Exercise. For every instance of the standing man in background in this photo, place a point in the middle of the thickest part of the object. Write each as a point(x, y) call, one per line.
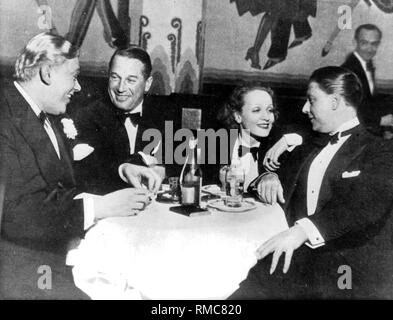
point(373, 111)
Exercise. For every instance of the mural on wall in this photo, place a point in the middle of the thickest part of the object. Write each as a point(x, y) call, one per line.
point(143, 36)
point(176, 74)
point(384, 5)
point(171, 31)
point(278, 18)
point(245, 42)
point(115, 36)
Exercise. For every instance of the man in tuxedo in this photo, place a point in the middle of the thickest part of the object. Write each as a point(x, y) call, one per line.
point(44, 214)
point(373, 111)
point(336, 204)
point(113, 126)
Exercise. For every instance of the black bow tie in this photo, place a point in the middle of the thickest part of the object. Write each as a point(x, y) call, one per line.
point(134, 117)
point(324, 139)
point(42, 116)
point(244, 150)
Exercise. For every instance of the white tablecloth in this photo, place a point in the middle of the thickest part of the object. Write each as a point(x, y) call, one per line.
point(159, 254)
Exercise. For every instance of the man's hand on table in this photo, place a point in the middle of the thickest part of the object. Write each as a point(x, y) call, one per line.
point(137, 176)
point(124, 202)
point(285, 242)
point(270, 190)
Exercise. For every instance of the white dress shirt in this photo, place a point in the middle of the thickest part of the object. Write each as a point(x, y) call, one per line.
point(369, 75)
point(316, 173)
point(132, 129)
point(36, 109)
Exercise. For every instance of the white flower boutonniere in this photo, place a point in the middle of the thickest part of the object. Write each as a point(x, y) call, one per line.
point(69, 128)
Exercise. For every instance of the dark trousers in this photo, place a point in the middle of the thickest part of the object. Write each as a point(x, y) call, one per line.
point(312, 275)
point(35, 275)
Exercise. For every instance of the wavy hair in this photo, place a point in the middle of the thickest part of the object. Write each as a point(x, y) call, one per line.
point(235, 103)
point(341, 81)
point(135, 52)
point(43, 49)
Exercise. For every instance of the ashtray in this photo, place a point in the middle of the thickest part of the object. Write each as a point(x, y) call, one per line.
point(219, 204)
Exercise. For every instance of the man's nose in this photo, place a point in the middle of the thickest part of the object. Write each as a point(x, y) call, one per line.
point(77, 86)
point(121, 86)
point(306, 107)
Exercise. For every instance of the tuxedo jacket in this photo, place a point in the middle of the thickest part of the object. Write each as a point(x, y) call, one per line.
point(100, 126)
point(354, 207)
point(352, 63)
point(374, 106)
point(38, 209)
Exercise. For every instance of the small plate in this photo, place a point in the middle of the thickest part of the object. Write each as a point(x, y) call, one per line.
point(213, 189)
point(219, 204)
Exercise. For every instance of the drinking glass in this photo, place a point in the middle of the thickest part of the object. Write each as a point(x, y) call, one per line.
point(222, 176)
point(234, 183)
point(174, 187)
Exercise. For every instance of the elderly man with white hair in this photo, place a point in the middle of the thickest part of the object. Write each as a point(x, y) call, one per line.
point(42, 217)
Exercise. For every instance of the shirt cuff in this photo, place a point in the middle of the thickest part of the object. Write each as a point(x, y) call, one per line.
point(293, 140)
point(88, 209)
point(315, 238)
point(121, 173)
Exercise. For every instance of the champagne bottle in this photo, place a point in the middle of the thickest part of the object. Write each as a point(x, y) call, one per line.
point(191, 180)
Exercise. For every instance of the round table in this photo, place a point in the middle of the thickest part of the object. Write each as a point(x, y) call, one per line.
point(159, 254)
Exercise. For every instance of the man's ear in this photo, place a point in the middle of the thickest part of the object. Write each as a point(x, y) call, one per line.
point(45, 74)
point(354, 43)
point(149, 81)
point(336, 101)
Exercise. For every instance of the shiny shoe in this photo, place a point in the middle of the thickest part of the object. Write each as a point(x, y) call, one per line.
point(298, 41)
point(254, 57)
point(272, 62)
point(295, 43)
point(326, 49)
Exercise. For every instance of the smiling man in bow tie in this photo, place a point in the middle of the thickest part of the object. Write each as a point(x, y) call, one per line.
point(114, 125)
point(44, 213)
point(376, 109)
point(338, 205)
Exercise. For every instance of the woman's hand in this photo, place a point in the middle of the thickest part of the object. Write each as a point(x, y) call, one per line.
point(270, 190)
point(270, 162)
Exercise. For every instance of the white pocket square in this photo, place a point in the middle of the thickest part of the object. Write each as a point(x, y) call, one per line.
point(351, 174)
point(81, 151)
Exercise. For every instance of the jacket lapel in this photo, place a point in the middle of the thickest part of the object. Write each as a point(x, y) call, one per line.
point(304, 157)
point(362, 75)
point(65, 149)
point(349, 151)
point(36, 137)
